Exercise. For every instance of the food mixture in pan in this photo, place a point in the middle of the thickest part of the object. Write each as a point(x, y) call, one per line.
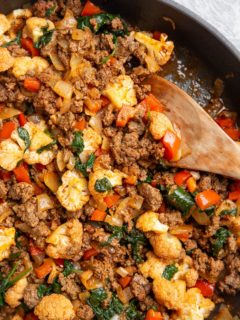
point(94, 223)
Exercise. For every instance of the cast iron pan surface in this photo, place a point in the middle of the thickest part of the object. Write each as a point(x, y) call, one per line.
point(201, 53)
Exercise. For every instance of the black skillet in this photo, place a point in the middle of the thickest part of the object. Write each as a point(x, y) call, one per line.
point(202, 53)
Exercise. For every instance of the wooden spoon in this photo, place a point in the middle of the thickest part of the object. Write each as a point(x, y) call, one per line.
point(211, 149)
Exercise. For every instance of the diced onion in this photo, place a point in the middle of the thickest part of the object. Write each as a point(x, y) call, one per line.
point(68, 22)
point(136, 202)
point(66, 104)
point(114, 220)
point(7, 113)
point(122, 272)
point(44, 202)
point(63, 89)
point(201, 217)
point(105, 143)
point(77, 34)
point(56, 61)
point(60, 161)
point(51, 180)
point(96, 123)
point(124, 295)
point(182, 229)
point(89, 281)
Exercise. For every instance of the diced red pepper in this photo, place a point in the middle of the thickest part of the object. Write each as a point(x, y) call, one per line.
point(233, 133)
point(171, 143)
point(105, 101)
point(27, 44)
point(22, 119)
point(32, 84)
point(153, 315)
point(151, 103)
point(206, 288)
point(90, 253)
point(156, 35)
point(90, 9)
point(22, 174)
point(44, 269)
point(225, 122)
point(132, 180)
point(98, 215)
point(5, 175)
point(80, 125)
point(235, 185)
point(191, 184)
point(34, 250)
point(124, 281)
point(40, 167)
point(59, 262)
point(234, 195)
point(181, 177)
point(31, 316)
point(124, 115)
point(111, 200)
point(207, 198)
point(7, 129)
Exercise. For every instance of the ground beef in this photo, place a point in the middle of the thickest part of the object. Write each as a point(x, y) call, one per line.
point(69, 285)
point(45, 101)
point(66, 121)
point(30, 296)
point(108, 116)
point(231, 281)
point(21, 191)
point(171, 218)
point(3, 189)
point(41, 6)
point(17, 51)
point(140, 287)
point(152, 197)
point(208, 267)
point(84, 312)
point(75, 6)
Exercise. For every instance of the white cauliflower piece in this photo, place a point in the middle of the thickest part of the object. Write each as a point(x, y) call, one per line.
point(159, 124)
point(92, 140)
point(148, 221)
point(65, 242)
point(23, 65)
point(10, 154)
point(6, 60)
point(4, 24)
point(15, 293)
point(35, 26)
point(16, 18)
point(120, 91)
point(195, 306)
point(158, 52)
point(54, 307)
point(153, 267)
point(7, 239)
point(44, 158)
point(171, 294)
point(166, 246)
point(73, 193)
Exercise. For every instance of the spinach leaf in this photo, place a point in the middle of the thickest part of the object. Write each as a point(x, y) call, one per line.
point(69, 268)
point(132, 312)
point(221, 238)
point(95, 301)
point(45, 290)
point(24, 135)
point(6, 282)
point(230, 212)
point(102, 24)
point(103, 185)
point(148, 179)
point(50, 11)
point(169, 271)
point(85, 167)
point(136, 239)
point(17, 40)
point(45, 38)
point(78, 143)
point(47, 147)
point(117, 233)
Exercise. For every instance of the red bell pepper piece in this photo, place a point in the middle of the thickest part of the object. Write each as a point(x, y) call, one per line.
point(90, 253)
point(27, 44)
point(22, 119)
point(7, 129)
point(232, 133)
point(34, 250)
point(225, 122)
point(59, 262)
point(206, 199)
point(234, 195)
point(98, 215)
point(90, 9)
point(181, 177)
point(171, 143)
point(124, 281)
point(207, 289)
point(153, 315)
point(111, 200)
point(32, 84)
point(22, 174)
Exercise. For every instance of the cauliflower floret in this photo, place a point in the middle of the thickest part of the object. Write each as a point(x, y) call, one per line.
point(158, 52)
point(55, 307)
point(35, 27)
point(6, 60)
point(10, 154)
point(16, 18)
point(65, 242)
point(166, 246)
point(195, 306)
point(73, 193)
point(92, 140)
point(7, 236)
point(169, 293)
point(148, 221)
point(23, 65)
point(120, 91)
point(153, 267)
point(159, 124)
point(4, 24)
point(44, 158)
point(15, 293)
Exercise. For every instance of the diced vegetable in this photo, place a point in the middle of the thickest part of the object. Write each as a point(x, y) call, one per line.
point(156, 35)
point(51, 180)
point(45, 38)
point(125, 281)
point(225, 122)
point(43, 270)
point(27, 44)
point(44, 202)
point(153, 315)
point(7, 129)
point(78, 143)
point(201, 217)
point(69, 268)
point(132, 180)
point(206, 288)
point(221, 238)
point(64, 89)
point(171, 143)
point(233, 133)
point(182, 232)
point(206, 199)
point(90, 9)
point(234, 195)
point(34, 250)
point(22, 174)
point(181, 200)
point(169, 271)
point(32, 84)
point(103, 185)
point(181, 177)
point(111, 200)
point(80, 125)
point(24, 135)
point(191, 184)
point(22, 119)
point(6, 113)
point(124, 115)
point(98, 215)
point(151, 103)
point(90, 253)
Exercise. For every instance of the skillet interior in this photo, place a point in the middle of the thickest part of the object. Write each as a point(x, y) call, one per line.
point(215, 56)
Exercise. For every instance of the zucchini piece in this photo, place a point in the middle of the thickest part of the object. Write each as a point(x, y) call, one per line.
point(181, 200)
